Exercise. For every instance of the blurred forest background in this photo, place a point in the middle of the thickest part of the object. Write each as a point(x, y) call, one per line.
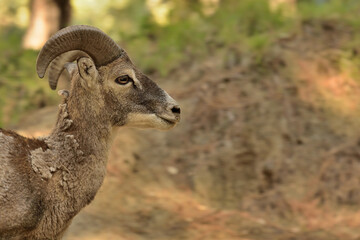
point(269, 144)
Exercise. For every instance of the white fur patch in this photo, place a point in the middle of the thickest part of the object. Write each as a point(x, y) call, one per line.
point(141, 120)
point(132, 74)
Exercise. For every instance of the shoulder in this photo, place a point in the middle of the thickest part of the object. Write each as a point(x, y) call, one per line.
point(8, 137)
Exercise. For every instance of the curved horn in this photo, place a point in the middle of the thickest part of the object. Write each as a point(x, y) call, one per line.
point(57, 66)
point(99, 46)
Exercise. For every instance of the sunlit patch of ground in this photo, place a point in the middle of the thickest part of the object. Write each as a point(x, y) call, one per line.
point(127, 208)
point(130, 213)
point(339, 91)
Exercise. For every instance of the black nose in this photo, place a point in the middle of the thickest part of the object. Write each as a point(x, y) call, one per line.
point(175, 110)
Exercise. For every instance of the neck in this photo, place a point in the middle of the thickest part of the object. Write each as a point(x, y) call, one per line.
point(85, 133)
point(86, 121)
point(80, 140)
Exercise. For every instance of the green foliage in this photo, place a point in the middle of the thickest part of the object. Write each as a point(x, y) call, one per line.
point(341, 10)
point(20, 88)
point(192, 35)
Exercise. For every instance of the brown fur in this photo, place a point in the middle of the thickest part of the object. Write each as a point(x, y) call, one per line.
point(27, 180)
point(45, 182)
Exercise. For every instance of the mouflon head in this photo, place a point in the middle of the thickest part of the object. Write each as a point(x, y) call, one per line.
point(99, 66)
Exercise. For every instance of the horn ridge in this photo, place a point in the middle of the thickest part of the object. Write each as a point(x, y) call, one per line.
point(57, 65)
point(91, 40)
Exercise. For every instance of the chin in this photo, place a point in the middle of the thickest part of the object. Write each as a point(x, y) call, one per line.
point(165, 126)
point(149, 121)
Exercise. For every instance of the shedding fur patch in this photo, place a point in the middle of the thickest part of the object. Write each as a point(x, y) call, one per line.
point(43, 162)
point(6, 171)
point(63, 146)
point(63, 117)
point(64, 93)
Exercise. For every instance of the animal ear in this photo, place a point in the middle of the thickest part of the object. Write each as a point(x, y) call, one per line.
point(87, 70)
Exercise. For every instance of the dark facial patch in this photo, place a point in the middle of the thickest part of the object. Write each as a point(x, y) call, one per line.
point(147, 98)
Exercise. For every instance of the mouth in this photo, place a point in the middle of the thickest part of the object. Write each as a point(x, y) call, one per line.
point(168, 120)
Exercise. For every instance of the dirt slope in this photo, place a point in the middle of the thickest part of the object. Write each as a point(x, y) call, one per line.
point(267, 149)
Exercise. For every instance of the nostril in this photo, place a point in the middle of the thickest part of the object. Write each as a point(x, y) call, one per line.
point(175, 109)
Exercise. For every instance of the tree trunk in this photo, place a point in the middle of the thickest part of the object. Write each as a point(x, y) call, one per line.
point(47, 17)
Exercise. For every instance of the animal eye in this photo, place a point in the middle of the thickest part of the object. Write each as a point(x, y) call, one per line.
point(122, 80)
